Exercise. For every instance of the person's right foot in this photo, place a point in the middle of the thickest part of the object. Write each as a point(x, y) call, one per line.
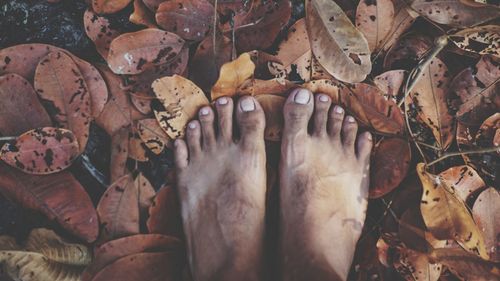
point(324, 179)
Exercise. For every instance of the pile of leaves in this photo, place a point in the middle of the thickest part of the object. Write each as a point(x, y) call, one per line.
point(422, 76)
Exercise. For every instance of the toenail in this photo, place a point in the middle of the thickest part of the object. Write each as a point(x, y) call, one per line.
point(204, 111)
point(247, 104)
point(339, 110)
point(370, 137)
point(350, 119)
point(192, 125)
point(222, 101)
point(302, 97)
point(176, 143)
point(323, 98)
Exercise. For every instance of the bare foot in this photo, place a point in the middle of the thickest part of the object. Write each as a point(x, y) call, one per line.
point(324, 188)
point(222, 186)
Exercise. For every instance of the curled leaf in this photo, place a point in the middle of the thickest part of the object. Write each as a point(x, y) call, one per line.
point(232, 75)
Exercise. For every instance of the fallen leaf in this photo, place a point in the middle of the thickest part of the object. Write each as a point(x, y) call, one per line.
point(153, 4)
point(190, 19)
point(136, 148)
point(109, 6)
point(465, 265)
point(99, 30)
point(483, 40)
point(390, 162)
point(141, 15)
point(402, 22)
point(135, 52)
point(232, 75)
point(152, 135)
point(488, 131)
point(165, 214)
point(8, 243)
point(375, 20)
point(326, 86)
point(486, 213)
point(446, 215)
point(41, 151)
point(338, 46)
point(59, 82)
point(390, 83)
point(407, 51)
point(59, 196)
point(18, 97)
point(118, 210)
point(119, 154)
point(145, 194)
point(463, 180)
point(257, 87)
point(273, 110)
point(181, 100)
point(413, 265)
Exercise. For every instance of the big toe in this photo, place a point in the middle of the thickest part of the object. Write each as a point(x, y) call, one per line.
point(297, 112)
point(251, 121)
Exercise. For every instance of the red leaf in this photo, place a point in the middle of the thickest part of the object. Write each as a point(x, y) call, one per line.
point(164, 214)
point(99, 31)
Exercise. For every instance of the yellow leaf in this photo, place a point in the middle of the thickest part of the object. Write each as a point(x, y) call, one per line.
point(232, 75)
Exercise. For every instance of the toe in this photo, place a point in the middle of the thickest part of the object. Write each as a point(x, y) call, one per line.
point(364, 147)
point(224, 107)
point(297, 112)
point(193, 134)
point(206, 116)
point(181, 154)
point(335, 119)
point(251, 121)
point(349, 130)
point(321, 107)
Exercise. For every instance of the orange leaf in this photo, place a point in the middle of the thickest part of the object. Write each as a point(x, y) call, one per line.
point(232, 75)
point(375, 19)
point(463, 180)
point(273, 109)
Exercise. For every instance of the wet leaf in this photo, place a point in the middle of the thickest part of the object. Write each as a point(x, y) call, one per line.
point(141, 15)
point(165, 214)
point(41, 151)
point(466, 266)
point(339, 47)
point(109, 6)
point(232, 75)
point(375, 20)
point(18, 97)
point(190, 19)
point(390, 83)
point(429, 95)
point(273, 109)
point(135, 52)
point(118, 210)
point(98, 29)
point(152, 135)
point(119, 154)
point(484, 40)
point(59, 196)
point(486, 213)
point(446, 215)
point(389, 165)
point(59, 82)
point(181, 99)
point(463, 180)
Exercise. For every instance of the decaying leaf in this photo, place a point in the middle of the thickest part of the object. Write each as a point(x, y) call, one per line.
point(413, 265)
point(98, 29)
point(484, 40)
point(152, 135)
point(135, 52)
point(119, 154)
point(232, 75)
point(118, 210)
point(402, 21)
point(257, 87)
point(446, 215)
point(41, 151)
point(59, 196)
point(273, 109)
point(145, 194)
point(136, 148)
point(190, 19)
point(164, 214)
point(407, 50)
point(375, 20)
point(486, 213)
point(18, 97)
point(463, 180)
point(390, 83)
point(488, 133)
point(466, 266)
point(339, 47)
point(59, 82)
point(181, 99)
point(109, 6)
point(141, 15)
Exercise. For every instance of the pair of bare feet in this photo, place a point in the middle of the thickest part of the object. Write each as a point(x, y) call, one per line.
point(323, 190)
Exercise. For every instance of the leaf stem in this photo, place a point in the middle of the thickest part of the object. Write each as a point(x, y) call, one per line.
point(476, 151)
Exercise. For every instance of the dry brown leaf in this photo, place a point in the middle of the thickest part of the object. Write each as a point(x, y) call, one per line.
point(486, 213)
point(429, 95)
point(119, 154)
point(273, 110)
point(484, 40)
point(135, 52)
point(407, 50)
point(413, 265)
point(466, 266)
point(375, 18)
point(109, 6)
point(141, 15)
point(8, 243)
point(98, 29)
point(487, 135)
point(326, 86)
point(181, 99)
point(446, 215)
point(145, 194)
point(390, 83)
point(165, 214)
point(402, 21)
point(152, 135)
point(257, 87)
point(136, 148)
point(232, 75)
point(339, 47)
point(41, 151)
point(463, 180)
point(18, 97)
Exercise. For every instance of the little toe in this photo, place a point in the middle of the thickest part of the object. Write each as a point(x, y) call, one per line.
point(364, 145)
point(224, 107)
point(335, 120)
point(251, 121)
point(180, 154)
point(193, 138)
point(349, 130)
point(206, 116)
point(321, 107)
point(297, 112)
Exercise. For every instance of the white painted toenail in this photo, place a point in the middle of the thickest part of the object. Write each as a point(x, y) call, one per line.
point(222, 101)
point(370, 136)
point(323, 98)
point(247, 104)
point(176, 143)
point(204, 111)
point(192, 125)
point(339, 110)
point(350, 119)
point(302, 96)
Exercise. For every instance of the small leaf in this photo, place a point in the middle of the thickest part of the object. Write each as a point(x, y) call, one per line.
point(232, 75)
point(136, 148)
point(463, 180)
point(483, 40)
point(145, 195)
point(99, 30)
point(390, 83)
point(164, 214)
point(486, 213)
point(273, 109)
point(375, 20)
point(119, 154)
point(41, 151)
point(152, 135)
point(109, 6)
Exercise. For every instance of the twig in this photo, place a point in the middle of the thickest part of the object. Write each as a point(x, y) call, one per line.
point(7, 138)
point(214, 42)
point(451, 154)
point(427, 145)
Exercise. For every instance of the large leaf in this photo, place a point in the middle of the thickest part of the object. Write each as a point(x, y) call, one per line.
point(59, 196)
point(133, 53)
point(59, 82)
point(486, 213)
point(375, 18)
point(483, 40)
point(41, 151)
point(165, 214)
point(18, 98)
point(339, 47)
point(232, 75)
point(463, 180)
point(446, 215)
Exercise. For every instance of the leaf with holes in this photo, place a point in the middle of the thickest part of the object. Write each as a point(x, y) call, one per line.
point(339, 47)
point(18, 97)
point(109, 6)
point(463, 180)
point(60, 84)
point(165, 214)
point(135, 52)
point(273, 110)
point(375, 18)
point(446, 215)
point(181, 99)
point(484, 40)
point(152, 135)
point(232, 75)
point(99, 31)
point(486, 213)
point(41, 151)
